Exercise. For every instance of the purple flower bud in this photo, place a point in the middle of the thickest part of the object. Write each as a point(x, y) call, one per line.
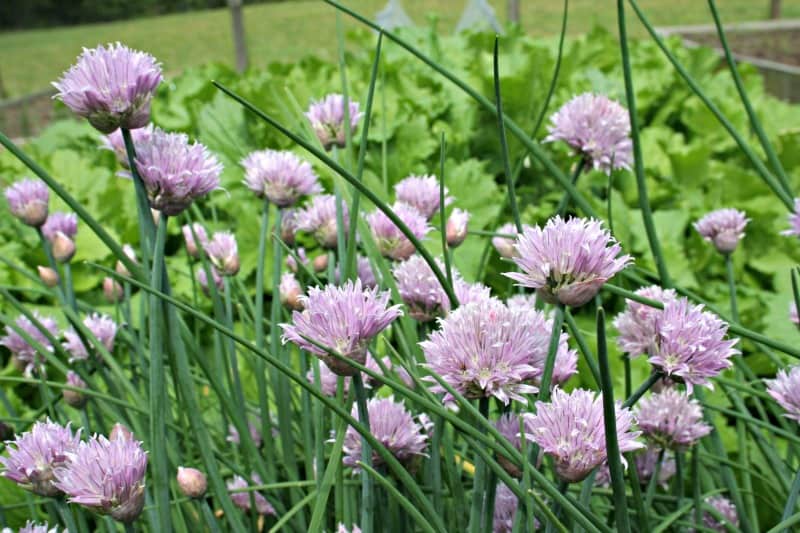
point(130, 253)
point(112, 290)
point(48, 276)
point(195, 248)
point(319, 219)
point(102, 327)
point(75, 398)
point(456, 228)
point(596, 128)
point(320, 263)
point(34, 456)
point(505, 509)
point(421, 193)
point(66, 223)
point(289, 226)
point(726, 508)
point(63, 248)
point(202, 279)
point(567, 262)
point(223, 253)
point(505, 245)
point(280, 177)
point(241, 497)
point(671, 420)
point(794, 220)
point(391, 242)
point(291, 262)
point(114, 142)
point(723, 227)
point(106, 476)
point(111, 86)
point(785, 389)
point(327, 120)
point(27, 200)
point(175, 172)
point(290, 292)
point(25, 352)
point(637, 323)
point(192, 482)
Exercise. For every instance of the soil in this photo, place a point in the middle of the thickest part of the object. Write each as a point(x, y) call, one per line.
point(782, 46)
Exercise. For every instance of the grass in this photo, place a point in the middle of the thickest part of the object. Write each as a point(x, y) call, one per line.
point(289, 30)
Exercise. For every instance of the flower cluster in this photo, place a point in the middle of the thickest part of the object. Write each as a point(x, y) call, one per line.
point(327, 118)
point(26, 355)
point(785, 389)
point(102, 327)
point(421, 193)
point(28, 201)
point(723, 227)
point(392, 242)
point(280, 177)
point(319, 219)
point(637, 323)
point(223, 253)
point(241, 496)
point(671, 419)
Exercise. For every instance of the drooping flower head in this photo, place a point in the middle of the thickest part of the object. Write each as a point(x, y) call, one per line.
point(106, 476)
point(102, 327)
point(785, 389)
point(344, 319)
point(280, 177)
point(690, 344)
point(420, 289)
point(725, 508)
point(671, 419)
point(223, 253)
point(456, 228)
point(794, 220)
point(319, 219)
point(115, 142)
point(570, 428)
point(404, 435)
point(34, 456)
point(74, 398)
point(567, 261)
point(65, 223)
point(392, 243)
point(596, 128)
point(175, 172)
point(484, 350)
point(327, 120)
point(723, 227)
point(28, 201)
point(195, 247)
point(637, 323)
point(26, 354)
point(111, 86)
point(421, 193)
point(505, 245)
point(241, 498)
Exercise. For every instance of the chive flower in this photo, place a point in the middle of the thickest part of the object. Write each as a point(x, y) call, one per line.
point(195, 247)
point(33, 527)
point(74, 398)
point(327, 118)
point(456, 227)
point(785, 389)
point(223, 253)
point(671, 419)
point(102, 327)
point(505, 245)
point(116, 143)
point(280, 177)
point(392, 243)
point(794, 220)
point(28, 201)
point(241, 498)
point(725, 508)
point(723, 227)
point(23, 351)
point(637, 323)
point(64, 223)
point(319, 219)
point(421, 193)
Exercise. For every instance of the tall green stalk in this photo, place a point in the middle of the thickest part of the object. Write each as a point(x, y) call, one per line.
point(549, 364)
point(367, 496)
point(479, 483)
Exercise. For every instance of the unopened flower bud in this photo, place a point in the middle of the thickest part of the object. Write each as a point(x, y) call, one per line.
point(48, 276)
point(27, 200)
point(121, 269)
point(320, 263)
point(63, 248)
point(192, 482)
point(456, 229)
point(289, 226)
point(72, 397)
point(290, 292)
point(112, 291)
point(120, 431)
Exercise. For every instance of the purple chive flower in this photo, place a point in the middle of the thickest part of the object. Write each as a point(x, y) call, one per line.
point(241, 497)
point(328, 380)
point(327, 120)
point(114, 142)
point(343, 319)
point(521, 301)
point(280, 177)
point(793, 314)
point(456, 228)
point(646, 462)
point(319, 219)
point(364, 272)
point(505, 245)
point(393, 426)
point(794, 220)
point(690, 344)
point(509, 427)
point(724, 507)
point(202, 279)
point(111, 86)
point(341, 528)
point(65, 223)
point(785, 389)
point(391, 242)
point(570, 428)
point(255, 433)
point(420, 290)
point(291, 262)
point(421, 193)
point(566, 363)
point(28, 200)
point(484, 350)
point(505, 508)
point(567, 261)
point(34, 456)
point(195, 247)
point(289, 226)
point(595, 127)
point(74, 398)
point(637, 323)
point(21, 349)
point(290, 292)
point(671, 419)
point(32, 527)
point(467, 293)
point(723, 227)
point(102, 327)
point(106, 476)
point(176, 172)
point(223, 253)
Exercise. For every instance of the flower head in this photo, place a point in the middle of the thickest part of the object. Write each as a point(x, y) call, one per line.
point(319, 219)
point(421, 193)
point(74, 398)
point(195, 247)
point(290, 291)
point(192, 482)
point(505, 245)
point(102, 327)
point(456, 228)
point(20, 348)
point(509, 427)
point(484, 350)
point(467, 292)
point(725, 508)
point(521, 301)
point(116, 143)
point(723, 227)
point(420, 289)
point(794, 220)
point(364, 272)
point(570, 428)
point(344, 319)
point(596, 128)
point(567, 261)
point(254, 430)
point(391, 242)
point(327, 120)
point(65, 223)
point(280, 177)
point(111, 86)
point(32, 527)
point(637, 323)
point(202, 279)
point(27, 200)
point(106, 476)
point(505, 508)
point(34, 456)
point(223, 253)
point(393, 426)
point(241, 498)
point(691, 344)
point(671, 419)
point(176, 172)
point(785, 389)
point(289, 226)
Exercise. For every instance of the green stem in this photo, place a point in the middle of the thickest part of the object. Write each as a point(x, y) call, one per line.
point(791, 501)
point(367, 496)
point(69, 289)
point(479, 483)
point(636, 491)
point(146, 225)
point(643, 388)
point(512, 194)
point(696, 473)
point(564, 203)
point(448, 267)
point(555, 338)
point(731, 286)
point(582, 345)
